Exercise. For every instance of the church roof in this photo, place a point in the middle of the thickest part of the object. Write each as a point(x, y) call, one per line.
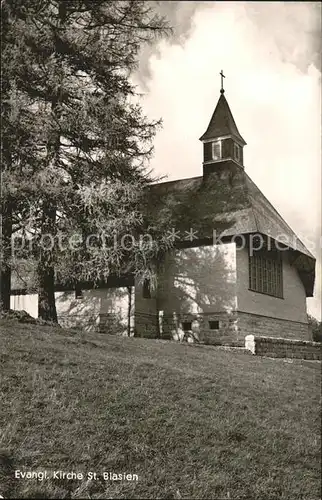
point(222, 123)
point(229, 202)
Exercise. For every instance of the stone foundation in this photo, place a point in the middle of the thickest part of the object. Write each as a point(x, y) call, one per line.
point(253, 324)
point(207, 328)
point(218, 328)
point(283, 348)
point(113, 324)
point(214, 328)
point(146, 325)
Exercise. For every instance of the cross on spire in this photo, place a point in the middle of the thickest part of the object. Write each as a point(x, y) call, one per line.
point(222, 81)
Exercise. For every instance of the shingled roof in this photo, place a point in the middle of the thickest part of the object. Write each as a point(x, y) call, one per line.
point(230, 203)
point(226, 201)
point(222, 123)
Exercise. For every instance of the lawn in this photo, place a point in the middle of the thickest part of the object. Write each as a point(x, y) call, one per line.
point(185, 421)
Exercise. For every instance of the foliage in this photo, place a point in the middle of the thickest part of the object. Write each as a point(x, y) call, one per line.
point(316, 328)
point(77, 143)
point(24, 317)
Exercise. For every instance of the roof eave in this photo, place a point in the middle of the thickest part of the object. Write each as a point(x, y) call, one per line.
point(206, 137)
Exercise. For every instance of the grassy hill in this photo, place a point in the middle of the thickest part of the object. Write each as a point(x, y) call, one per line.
point(191, 422)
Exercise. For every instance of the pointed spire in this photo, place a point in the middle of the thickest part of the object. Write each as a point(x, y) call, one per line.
point(222, 123)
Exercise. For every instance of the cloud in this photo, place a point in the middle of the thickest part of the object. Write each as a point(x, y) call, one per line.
point(294, 28)
point(180, 16)
point(270, 55)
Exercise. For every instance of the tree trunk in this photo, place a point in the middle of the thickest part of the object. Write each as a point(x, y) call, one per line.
point(46, 269)
point(5, 276)
point(129, 289)
point(46, 294)
point(6, 208)
point(46, 266)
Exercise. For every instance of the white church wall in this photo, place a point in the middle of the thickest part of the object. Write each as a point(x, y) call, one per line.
point(78, 312)
point(203, 292)
point(196, 285)
point(114, 312)
point(291, 307)
point(199, 280)
point(104, 309)
point(28, 303)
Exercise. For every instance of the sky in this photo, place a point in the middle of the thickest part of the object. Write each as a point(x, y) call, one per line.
point(270, 54)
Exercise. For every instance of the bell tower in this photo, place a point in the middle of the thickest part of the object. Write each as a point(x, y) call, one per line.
point(222, 141)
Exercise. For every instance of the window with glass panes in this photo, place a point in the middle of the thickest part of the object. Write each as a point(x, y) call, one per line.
point(266, 273)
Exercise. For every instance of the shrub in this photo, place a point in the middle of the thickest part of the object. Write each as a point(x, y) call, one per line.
point(24, 317)
point(316, 328)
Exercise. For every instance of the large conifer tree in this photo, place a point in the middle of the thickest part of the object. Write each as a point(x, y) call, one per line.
point(71, 67)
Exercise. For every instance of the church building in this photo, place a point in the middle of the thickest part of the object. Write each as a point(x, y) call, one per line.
point(236, 268)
